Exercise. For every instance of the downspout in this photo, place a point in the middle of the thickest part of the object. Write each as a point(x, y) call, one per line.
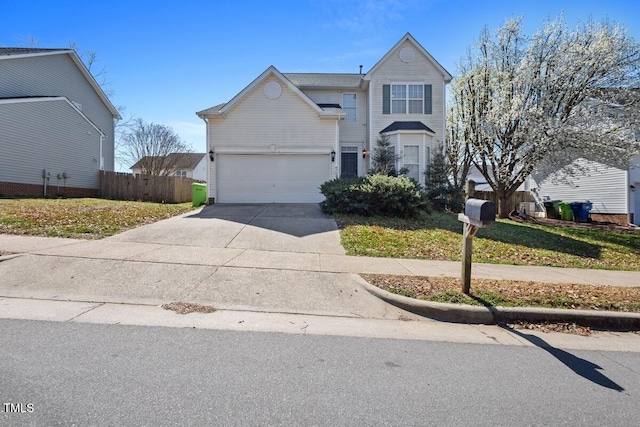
point(334, 166)
point(101, 158)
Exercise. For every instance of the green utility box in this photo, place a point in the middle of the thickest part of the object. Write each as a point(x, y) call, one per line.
point(566, 213)
point(199, 194)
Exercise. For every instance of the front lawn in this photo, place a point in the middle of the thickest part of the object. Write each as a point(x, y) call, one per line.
point(438, 236)
point(85, 218)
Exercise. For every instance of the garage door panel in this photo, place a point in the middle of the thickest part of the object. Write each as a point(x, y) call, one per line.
point(271, 178)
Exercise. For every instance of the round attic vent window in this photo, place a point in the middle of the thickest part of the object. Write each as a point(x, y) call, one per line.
point(407, 54)
point(272, 90)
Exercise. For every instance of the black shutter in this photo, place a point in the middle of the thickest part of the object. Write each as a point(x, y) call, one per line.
point(427, 100)
point(386, 99)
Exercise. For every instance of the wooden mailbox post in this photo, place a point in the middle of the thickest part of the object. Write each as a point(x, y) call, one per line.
point(477, 214)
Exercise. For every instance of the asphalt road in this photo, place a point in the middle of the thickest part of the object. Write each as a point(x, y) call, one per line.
point(66, 374)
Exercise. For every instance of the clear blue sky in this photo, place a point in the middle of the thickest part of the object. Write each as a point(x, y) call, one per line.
point(167, 60)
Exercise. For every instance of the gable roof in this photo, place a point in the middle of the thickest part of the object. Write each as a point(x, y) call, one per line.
point(182, 160)
point(396, 126)
point(408, 37)
point(8, 53)
point(222, 109)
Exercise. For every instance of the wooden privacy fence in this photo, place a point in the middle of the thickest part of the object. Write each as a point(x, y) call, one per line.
point(148, 188)
point(517, 197)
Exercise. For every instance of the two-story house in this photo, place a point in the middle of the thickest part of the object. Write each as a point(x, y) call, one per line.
point(285, 134)
point(57, 125)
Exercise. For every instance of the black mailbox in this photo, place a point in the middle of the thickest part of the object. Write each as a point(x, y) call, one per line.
point(482, 210)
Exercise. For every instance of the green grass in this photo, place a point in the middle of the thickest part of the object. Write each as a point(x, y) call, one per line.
point(86, 218)
point(479, 297)
point(438, 236)
point(511, 293)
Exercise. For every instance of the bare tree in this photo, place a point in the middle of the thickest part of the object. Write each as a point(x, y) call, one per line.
point(156, 148)
point(523, 101)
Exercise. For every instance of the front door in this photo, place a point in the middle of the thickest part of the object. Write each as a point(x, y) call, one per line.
point(349, 164)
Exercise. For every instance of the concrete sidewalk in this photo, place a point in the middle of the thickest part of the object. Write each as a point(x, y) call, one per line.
point(116, 281)
point(173, 254)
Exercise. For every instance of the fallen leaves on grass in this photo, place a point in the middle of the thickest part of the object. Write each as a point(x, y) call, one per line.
point(511, 293)
point(85, 218)
point(188, 307)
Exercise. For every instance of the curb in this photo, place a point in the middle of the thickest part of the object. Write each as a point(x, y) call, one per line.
point(462, 313)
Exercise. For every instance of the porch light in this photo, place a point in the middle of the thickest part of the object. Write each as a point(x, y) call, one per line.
point(365, 153)
point(333, 156)
point(211, 155)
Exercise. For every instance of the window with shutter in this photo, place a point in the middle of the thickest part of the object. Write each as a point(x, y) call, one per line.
point(428, 104)
point(386, 99)
point(404, 98)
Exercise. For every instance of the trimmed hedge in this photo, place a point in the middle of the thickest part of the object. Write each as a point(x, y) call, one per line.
point(374, 195)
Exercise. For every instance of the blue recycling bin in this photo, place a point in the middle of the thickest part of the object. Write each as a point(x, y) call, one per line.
point(581, 211)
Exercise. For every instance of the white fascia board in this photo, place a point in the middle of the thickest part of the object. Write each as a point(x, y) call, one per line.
point(210, 112)
point(332, 115)
point(33, 54)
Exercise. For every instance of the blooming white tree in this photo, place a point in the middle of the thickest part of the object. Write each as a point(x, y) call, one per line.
point(523, 102)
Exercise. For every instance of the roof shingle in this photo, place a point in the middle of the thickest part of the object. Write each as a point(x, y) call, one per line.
point(340, 80)
point(406, 126)
point(6, 51)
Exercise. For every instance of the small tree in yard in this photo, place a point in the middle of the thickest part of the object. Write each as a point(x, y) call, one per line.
point(151, 144)
point(384, 158)
point(437, 185)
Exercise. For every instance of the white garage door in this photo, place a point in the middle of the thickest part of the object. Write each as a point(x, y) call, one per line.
point(284, 178)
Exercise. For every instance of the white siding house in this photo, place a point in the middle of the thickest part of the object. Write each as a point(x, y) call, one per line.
point(611, 190)
point(285, 134)
point(54, 117)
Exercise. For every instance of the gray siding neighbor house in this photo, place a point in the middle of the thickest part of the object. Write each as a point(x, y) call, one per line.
point(57, 125)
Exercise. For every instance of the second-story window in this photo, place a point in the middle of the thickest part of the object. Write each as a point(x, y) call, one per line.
point(349, 106)
point(406, 98)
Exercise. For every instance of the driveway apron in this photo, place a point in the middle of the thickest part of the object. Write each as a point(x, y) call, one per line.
point(264, 257)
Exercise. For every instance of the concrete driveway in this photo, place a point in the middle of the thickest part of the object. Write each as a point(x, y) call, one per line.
point(283, 258)
point(300, 228)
